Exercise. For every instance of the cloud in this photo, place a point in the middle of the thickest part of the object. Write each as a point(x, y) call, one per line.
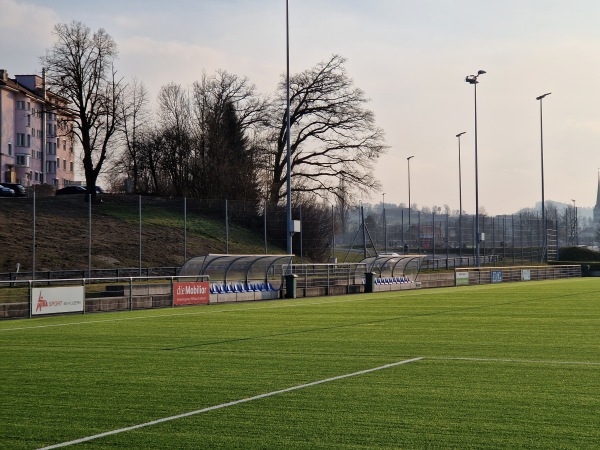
point(20, 18)
point(24, 34)
point(160, 62)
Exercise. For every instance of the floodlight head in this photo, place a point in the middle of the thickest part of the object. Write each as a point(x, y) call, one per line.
point(408, 159)
point(481, 72)
point(542, 96)
point(460, 134)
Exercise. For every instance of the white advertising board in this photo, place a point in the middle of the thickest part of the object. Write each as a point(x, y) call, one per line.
point(462, 278)
point(525, 275)
point(56, 300)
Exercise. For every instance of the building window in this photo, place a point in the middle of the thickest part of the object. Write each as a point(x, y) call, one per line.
point(21, 140)
point(64, 164)
point(71, 164)
point(23, 160)
point(28, 120)
point(57, 163)
point(20, 104)
point(9, 148)
point(51, 166)
point(40, 155)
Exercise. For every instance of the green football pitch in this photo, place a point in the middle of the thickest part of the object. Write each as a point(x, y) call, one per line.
point(501, 366)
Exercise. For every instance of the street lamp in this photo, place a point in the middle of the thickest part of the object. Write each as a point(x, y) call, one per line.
point(472, 79)
point(460, 208)
point(384, 224)
point(545, 244)
point(409, 204)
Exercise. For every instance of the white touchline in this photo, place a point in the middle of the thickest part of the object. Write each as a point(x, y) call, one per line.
point(225, 405)
point(195, 313)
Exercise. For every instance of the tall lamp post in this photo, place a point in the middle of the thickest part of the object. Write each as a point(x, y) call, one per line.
point(409, 204)
point(384, 224)
point(288, 132)
point(545, 227)
point(460, 208)
point(472, 79)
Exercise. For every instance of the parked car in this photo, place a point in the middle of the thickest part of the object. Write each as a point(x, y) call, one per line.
point(72, 189)
point(18, 188)
point(99, 190)
point(6, 192)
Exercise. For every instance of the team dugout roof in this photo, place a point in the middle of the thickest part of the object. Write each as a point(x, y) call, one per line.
point(236, 268)
point(393, 265)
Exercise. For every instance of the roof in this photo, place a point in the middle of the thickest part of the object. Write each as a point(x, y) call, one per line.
point(234, 267)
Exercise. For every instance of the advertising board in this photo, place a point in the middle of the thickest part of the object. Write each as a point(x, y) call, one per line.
point(191, 293)
point(525, 274)
point(496, 276)
point(56, 300)
point(462, 278)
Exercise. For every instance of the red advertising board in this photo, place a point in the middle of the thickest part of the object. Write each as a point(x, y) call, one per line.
point(192, 293)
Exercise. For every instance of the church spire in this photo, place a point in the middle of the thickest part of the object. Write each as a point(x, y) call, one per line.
point(598, 195)
point(597, 207)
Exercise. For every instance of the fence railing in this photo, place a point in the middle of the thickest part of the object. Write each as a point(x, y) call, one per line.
point(91, 274)
point(17, 297)
point(327, 275)
point(490, 275)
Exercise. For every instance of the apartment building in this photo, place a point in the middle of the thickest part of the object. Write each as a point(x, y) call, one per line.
point(36, 139)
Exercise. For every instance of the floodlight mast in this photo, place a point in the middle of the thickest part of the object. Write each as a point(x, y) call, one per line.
point(460, 208)
point(472, 79)
point(545, 226)
point(288, 133)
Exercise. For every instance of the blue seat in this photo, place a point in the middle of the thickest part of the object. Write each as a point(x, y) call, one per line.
point(271, 288)
point(249, 287)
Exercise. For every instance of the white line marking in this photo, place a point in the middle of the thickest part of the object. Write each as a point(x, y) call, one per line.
point(515, 361)
point(225, 405)
point(160, 316)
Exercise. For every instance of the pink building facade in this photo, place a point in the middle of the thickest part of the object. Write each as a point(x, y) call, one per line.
point(36, 141)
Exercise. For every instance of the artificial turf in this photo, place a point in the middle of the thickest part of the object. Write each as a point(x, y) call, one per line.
point(503, 366)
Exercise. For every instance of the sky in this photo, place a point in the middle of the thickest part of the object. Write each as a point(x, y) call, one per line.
point(411, 59)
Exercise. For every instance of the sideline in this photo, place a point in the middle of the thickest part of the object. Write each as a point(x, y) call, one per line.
point(291, 304)
point(225, 405)
point(514, 361)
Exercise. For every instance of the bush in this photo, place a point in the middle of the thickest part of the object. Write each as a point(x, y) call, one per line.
point(579, 254)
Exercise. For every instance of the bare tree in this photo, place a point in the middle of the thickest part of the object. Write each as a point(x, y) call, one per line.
point(134, 122)
point(332, 134)
point(175, 124)
point(80, 68)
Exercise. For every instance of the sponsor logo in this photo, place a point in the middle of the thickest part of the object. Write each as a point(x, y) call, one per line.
point(57, 300)
point(193, 293)
point(41, 303)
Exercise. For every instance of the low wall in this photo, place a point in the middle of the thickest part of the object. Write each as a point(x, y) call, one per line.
point(435, 280)
point(233, 297)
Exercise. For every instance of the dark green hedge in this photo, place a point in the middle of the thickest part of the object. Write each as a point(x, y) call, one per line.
point(579, 254)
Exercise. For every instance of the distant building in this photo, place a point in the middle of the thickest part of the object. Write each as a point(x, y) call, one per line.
point(36, 138)
point(597, 207)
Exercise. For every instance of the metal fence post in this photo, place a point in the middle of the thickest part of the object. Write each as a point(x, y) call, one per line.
point(130, 293)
